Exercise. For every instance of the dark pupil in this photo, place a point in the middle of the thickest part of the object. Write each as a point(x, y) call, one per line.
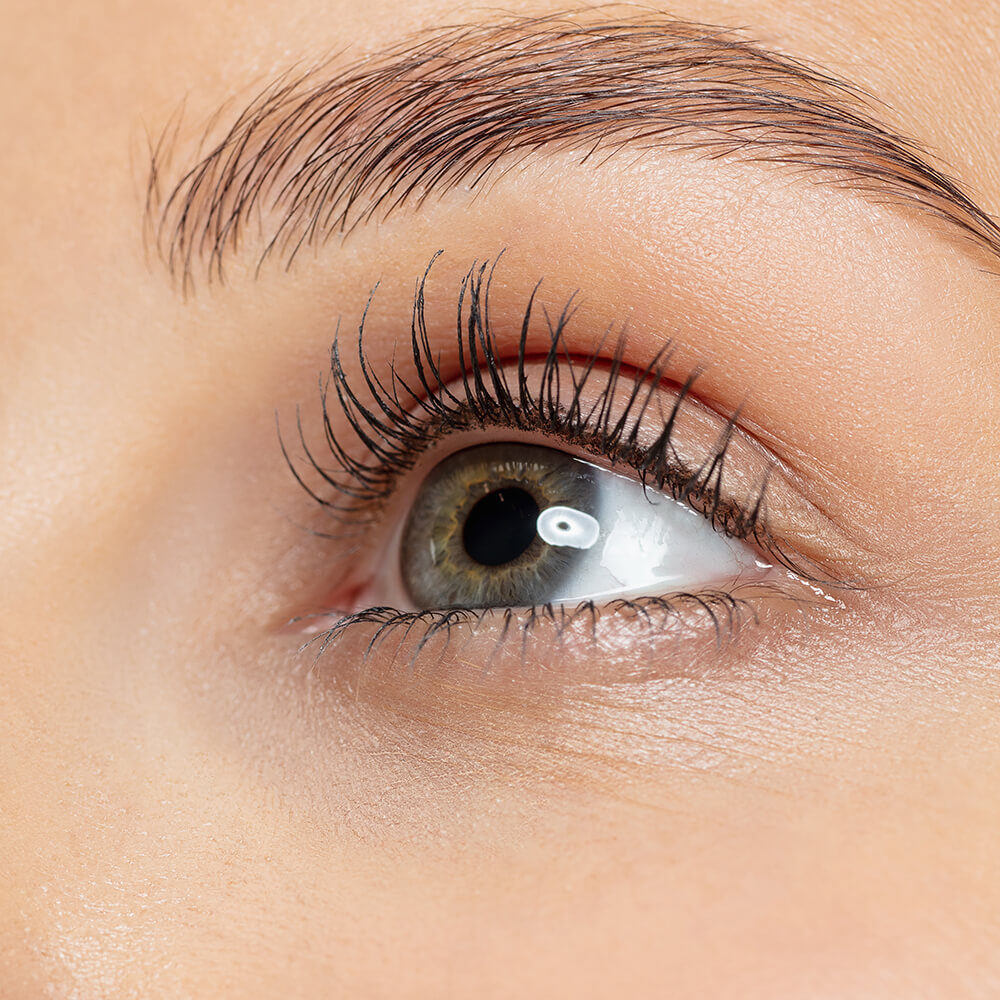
point(501, 526)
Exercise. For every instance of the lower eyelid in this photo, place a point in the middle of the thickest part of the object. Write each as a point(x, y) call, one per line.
point(624, 640)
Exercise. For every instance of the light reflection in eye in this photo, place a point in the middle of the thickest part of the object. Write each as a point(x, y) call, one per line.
point(515, 525)
point(567, 526)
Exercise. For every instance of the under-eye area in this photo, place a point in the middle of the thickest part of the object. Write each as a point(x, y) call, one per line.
point(502, 489)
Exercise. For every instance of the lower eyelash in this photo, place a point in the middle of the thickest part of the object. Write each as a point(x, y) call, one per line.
point(723, 614)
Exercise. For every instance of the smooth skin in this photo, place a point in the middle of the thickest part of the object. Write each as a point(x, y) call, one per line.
point(191, 808)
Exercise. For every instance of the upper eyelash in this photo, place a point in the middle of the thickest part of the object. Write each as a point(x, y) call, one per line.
point(405, 418)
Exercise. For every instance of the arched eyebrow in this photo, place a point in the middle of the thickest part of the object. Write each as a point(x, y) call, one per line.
point(318, 153)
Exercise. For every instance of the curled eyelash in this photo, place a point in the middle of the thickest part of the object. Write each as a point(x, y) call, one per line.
point(393, 421)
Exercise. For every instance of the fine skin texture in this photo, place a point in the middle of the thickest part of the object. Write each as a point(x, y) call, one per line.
point(192, 807)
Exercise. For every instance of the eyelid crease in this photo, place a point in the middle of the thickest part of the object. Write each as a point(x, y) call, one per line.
point(619, 426)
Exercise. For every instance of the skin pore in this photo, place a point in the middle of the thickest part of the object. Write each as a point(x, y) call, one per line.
point(193, 807)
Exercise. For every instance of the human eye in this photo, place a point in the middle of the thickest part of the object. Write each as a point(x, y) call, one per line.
point(515, 525)
point(502, 482)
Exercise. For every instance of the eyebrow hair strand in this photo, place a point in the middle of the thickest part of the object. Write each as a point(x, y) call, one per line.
point(317, 154)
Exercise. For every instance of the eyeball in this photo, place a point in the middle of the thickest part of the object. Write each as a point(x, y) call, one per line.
point(518, 525)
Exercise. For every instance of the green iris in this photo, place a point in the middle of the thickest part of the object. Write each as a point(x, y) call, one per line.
point(471, 538)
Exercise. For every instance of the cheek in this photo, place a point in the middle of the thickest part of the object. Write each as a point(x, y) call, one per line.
point(257, 815)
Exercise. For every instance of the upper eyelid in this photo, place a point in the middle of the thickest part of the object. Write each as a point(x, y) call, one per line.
point(315, 154)
point(392, 436)
point(384, 426)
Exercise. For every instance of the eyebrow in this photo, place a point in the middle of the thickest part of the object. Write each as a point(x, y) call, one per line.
point(320, 152)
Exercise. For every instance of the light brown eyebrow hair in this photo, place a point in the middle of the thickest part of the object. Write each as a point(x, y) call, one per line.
point(319, 152)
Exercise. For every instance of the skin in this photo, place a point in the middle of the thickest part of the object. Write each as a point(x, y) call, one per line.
point(192, 808)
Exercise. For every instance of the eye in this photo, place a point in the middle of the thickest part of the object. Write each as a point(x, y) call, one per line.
point(573, 486)
point(515, 525)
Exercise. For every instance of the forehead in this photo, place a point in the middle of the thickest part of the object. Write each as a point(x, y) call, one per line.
point(932, 64)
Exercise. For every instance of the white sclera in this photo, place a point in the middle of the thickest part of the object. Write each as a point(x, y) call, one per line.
point(640, 541)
